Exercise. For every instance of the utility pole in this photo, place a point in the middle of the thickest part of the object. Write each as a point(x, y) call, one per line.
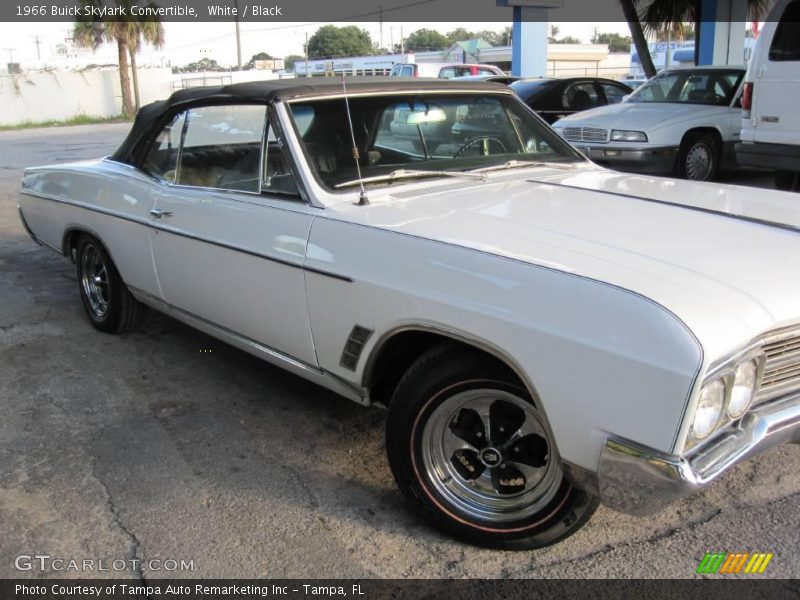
point(38, 43)
point(10, 54)
point(402, 49)
point(306, 48)
point(238, 36)
point(380, 13)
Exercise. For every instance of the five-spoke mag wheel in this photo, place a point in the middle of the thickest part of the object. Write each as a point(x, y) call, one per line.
point(487, 453)
point(471, 451)
point(109, 304)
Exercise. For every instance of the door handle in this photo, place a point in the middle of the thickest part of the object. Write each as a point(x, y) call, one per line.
point(158, 213)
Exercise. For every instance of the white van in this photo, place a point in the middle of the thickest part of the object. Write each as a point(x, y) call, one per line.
point(771, 116)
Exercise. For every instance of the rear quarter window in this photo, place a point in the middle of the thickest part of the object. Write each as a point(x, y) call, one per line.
point(786, 42)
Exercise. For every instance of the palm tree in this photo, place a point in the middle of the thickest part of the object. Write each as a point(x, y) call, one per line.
point(637, 34)
point(128, 35)
point(669, 17)
point(151, 31)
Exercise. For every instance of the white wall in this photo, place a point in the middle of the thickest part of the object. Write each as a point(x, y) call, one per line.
point(61, 95)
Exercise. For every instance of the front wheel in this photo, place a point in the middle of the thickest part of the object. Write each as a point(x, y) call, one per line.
point(470, 451)
point(699, 157)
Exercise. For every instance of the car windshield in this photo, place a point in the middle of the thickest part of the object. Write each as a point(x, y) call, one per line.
point(713, 86)
point(438, 133)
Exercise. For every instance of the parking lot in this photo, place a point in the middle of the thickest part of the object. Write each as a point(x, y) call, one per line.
point(166, 444)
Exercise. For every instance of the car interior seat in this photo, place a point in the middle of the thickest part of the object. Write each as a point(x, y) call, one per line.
point(581, 100)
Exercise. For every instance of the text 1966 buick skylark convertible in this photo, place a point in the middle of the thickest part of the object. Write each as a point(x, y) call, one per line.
point(547, 334)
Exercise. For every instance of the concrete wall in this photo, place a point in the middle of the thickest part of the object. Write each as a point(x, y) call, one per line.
point(61, 95)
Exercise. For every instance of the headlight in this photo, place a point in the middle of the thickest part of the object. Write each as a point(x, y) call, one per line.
point(624, 135)
point(709, 409)
point(743, 389)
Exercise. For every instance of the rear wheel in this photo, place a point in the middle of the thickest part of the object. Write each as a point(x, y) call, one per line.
point(699, 157)
point(109, 304)
point(470, 451)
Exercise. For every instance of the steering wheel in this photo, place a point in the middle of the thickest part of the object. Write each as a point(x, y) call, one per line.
point(486, 140)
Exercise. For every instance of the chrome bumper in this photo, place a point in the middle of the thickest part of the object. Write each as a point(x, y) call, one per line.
point(641, 481)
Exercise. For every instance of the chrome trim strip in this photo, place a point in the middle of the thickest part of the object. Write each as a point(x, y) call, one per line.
point(709, 211)
point(178, 232)
point(328, 380)
point(638, 480)
point(25, 225)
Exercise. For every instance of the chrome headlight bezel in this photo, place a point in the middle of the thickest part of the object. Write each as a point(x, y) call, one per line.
point(627, 135)
point(725, 373)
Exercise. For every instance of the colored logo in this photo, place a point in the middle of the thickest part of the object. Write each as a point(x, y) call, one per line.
point(731, 563)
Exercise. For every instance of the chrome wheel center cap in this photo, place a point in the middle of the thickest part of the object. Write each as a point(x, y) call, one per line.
point(491, 457)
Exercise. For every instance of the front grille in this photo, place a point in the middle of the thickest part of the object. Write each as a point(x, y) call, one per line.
point(782, 366)
point(585, 134)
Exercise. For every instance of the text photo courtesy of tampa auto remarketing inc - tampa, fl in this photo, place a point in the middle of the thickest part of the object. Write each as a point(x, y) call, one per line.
point(399, 299)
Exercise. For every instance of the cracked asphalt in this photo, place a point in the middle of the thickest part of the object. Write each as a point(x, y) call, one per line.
point(144, 446)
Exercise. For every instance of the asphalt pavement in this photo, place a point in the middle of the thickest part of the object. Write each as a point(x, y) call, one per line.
point(165, 444)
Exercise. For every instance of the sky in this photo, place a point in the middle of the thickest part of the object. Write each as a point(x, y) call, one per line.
point(189, 42)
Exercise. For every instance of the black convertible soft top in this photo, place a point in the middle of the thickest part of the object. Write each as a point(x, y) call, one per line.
point(152, 115)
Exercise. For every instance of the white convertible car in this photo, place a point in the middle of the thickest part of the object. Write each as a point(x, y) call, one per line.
point(546, 333)
point(684, 121)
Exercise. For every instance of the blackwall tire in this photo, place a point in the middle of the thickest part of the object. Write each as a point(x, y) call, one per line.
point(109, 304)
point(470, 451)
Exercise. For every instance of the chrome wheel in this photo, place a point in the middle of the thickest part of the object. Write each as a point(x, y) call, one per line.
point(94, 281)
point(487, 453)
point(699, 162)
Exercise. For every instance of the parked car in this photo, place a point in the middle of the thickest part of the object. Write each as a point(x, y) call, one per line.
point(683, 121)
point(504, 79)
point(554, 99)
point(442, 70)
point(770, 135)
point(546, 333)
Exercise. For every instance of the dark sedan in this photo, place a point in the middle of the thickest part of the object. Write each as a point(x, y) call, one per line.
point(557, 98)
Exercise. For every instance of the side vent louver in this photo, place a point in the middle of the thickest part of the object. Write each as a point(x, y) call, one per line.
point(355, 344)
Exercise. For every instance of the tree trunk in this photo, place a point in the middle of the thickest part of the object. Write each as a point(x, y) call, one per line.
point(135, 77)
point(639, 41)
point(124, 78)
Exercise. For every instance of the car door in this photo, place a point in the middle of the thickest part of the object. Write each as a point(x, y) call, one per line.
point(728, 117)
point(229, 230)
point(776, 88)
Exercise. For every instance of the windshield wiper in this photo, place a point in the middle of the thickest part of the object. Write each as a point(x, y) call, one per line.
point(514, 164)
point(411, 173)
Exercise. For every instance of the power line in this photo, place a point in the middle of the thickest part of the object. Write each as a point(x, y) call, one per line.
point(372, 13)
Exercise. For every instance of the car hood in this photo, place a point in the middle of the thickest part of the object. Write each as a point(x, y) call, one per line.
point(722, 258)
point(638, 116)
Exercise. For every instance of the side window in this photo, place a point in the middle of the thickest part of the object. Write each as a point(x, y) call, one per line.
point(278, 178)
point(162, 158)
point(580, 96)
point(447, 73)
point(222, 147)
point(786, 43)
point(614, 94)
